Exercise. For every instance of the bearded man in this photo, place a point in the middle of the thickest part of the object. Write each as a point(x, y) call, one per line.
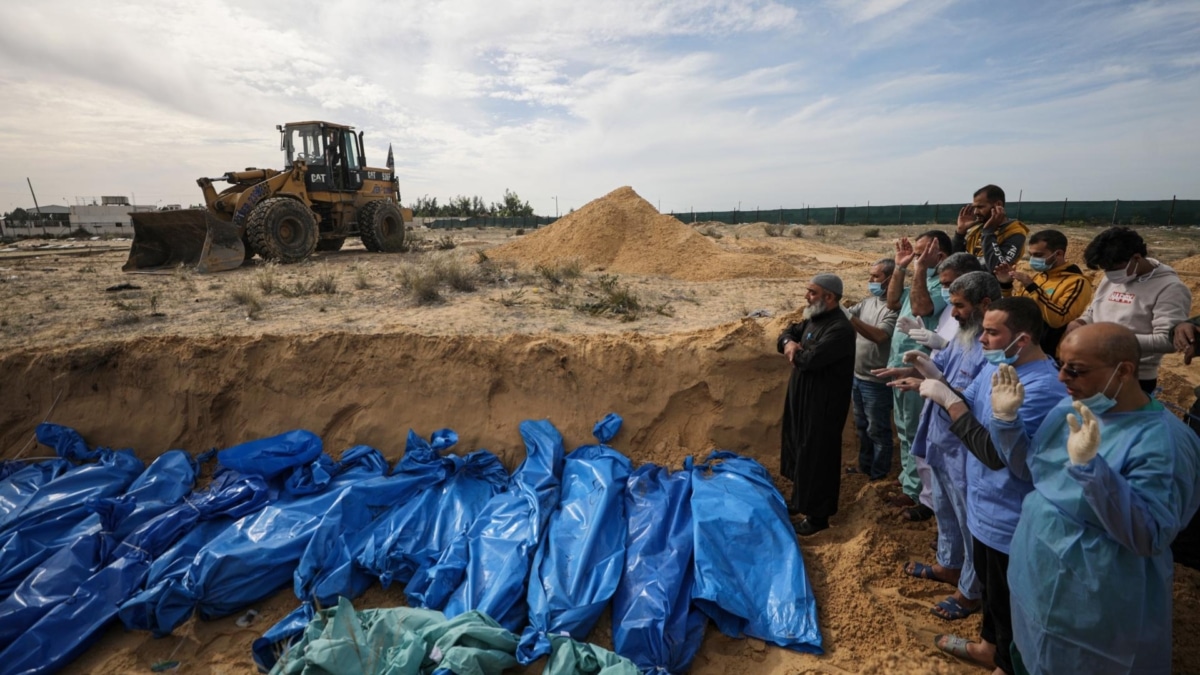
point(821, 351)
point(958, 365)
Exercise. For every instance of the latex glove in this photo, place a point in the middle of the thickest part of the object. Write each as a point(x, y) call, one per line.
point(940, 393)
point(1007, 393)
point(845, 311)
point(906, 323)
point(924, 365)
point(1084, 441)
point(928, 338)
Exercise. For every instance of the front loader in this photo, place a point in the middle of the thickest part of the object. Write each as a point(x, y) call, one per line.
point(325, 194)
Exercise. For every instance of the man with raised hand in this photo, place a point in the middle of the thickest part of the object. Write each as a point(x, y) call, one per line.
point(957, 365)
point(1115, 477)
point(986, 232)
point(874, 323)
point(919, 304)
point(1057, 286)
point(820, 350)
point(952, 267)
point(1011, 332)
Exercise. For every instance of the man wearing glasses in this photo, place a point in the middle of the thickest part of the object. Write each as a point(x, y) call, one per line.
point(1115, 477)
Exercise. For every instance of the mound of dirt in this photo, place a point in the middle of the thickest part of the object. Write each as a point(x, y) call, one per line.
point(621, 232)
point(1190, 264)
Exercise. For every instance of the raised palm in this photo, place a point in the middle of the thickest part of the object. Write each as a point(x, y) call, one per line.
point(1084, 441)
point(1007, 393)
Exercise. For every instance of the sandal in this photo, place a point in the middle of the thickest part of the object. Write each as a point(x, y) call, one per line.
point(954, 646)
point(952, 610)
point(918, 513)
point(921, 571)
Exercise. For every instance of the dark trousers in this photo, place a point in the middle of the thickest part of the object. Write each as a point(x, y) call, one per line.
point(873, 421)
point(991, 566)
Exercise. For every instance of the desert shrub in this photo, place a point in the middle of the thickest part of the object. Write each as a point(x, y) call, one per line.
point(324, 282)
point(512, 298)
point(361, 281)
point(798, 232)
point(520, 231)
point(871, 233)
point(773, 229)
point(246, 296)
point(445, 243)
point(420, 283)
point(267, 278)
point(610, 297)
point(454, 274)
point(711, 231)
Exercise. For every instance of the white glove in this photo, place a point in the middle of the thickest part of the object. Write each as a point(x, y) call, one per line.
point(928, 338)
point(1007, 393)
point(906, 323)
point(940, 393)
point(845, 311)
point(924, 365)
point(1084, 441)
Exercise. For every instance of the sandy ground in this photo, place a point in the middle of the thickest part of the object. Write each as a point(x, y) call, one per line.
point(193, 361)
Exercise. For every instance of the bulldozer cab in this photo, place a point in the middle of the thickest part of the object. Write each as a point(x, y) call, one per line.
point(332, 153)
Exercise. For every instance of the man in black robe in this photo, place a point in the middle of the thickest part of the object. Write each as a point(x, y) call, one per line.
point(821, 351)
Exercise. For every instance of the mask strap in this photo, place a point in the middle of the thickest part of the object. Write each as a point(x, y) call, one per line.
point(1109, 381)
point(1013, 343)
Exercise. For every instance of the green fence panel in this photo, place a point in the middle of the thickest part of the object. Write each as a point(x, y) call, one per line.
point(1181, 212)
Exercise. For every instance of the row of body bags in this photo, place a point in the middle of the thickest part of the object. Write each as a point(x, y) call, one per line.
point(93, 536)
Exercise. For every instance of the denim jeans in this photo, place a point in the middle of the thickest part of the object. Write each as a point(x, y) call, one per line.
point(873, 421)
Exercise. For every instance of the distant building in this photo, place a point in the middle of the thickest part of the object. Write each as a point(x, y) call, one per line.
point(28, 222)
point(110, 216)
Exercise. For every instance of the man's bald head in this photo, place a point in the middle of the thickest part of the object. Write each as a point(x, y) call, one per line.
point(1108, 343)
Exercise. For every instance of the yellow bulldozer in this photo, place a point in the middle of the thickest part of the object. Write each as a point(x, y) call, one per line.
point(325, 193)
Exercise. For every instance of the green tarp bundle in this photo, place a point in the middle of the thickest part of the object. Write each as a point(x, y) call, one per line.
point(407, 641)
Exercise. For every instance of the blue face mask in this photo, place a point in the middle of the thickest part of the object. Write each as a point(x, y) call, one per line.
point(997, 356)
point(1098, 403)
point(1040, 264)
point(946, 294)
point(876, 288)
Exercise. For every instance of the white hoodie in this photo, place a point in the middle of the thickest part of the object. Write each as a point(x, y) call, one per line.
point(1150, 305)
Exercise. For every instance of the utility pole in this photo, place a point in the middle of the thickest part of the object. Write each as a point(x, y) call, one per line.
point(37, 209)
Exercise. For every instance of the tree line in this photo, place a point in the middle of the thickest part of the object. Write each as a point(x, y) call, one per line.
point(462, 206)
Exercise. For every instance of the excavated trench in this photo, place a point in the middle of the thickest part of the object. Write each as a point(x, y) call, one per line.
point(679, 394)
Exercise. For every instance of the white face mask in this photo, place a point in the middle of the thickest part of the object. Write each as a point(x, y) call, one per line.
point(1122, 276)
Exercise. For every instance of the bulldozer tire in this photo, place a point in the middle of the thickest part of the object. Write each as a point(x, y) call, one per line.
point(282, 229)
point(381, 226)
point(330, 244)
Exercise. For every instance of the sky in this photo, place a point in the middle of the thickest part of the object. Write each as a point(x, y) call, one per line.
point(696, 104)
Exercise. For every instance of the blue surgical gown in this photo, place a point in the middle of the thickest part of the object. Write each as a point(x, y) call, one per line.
point(1091, 569)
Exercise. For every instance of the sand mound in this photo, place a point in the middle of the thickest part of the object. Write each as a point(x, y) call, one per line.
point(621, 232)
point(1190, 264)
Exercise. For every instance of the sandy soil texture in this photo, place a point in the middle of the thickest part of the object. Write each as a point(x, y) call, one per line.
point(613, 308)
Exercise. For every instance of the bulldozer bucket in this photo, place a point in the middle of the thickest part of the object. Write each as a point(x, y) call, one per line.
point(189, 237)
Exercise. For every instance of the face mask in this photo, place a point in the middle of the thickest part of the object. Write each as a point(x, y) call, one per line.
point(876, 288)
point(946, 295)
point(997, 356)
point(1121, 276)
point(1098, 402)
point(1041, 264)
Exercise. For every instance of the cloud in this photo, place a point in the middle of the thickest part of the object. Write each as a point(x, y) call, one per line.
point(698, 103)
